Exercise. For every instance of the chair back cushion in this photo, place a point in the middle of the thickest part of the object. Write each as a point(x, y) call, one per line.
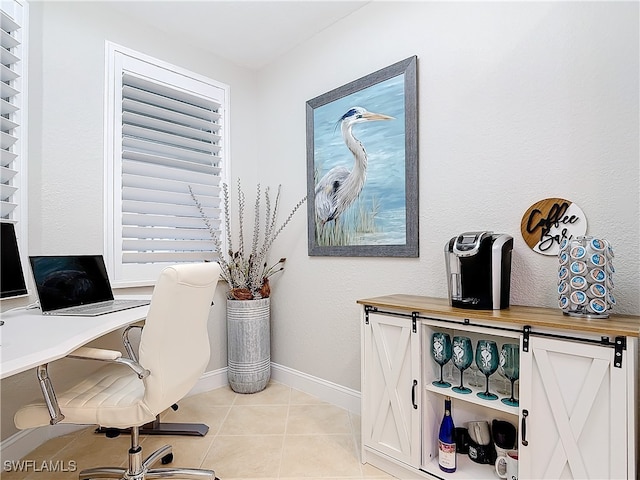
point(174, 344)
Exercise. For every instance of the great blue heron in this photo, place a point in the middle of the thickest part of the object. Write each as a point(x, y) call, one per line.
point(339, 187)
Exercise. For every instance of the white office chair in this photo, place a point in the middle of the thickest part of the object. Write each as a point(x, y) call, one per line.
point(173, 354)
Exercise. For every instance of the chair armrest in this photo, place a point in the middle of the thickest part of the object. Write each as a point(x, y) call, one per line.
point(88, 353)
point(127, 342)
point(49, 394)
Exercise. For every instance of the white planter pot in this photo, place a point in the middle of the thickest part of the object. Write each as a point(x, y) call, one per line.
point(248, 344)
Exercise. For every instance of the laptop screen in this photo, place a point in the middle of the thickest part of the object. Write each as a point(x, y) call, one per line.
point(12, 282)
point(70, 280)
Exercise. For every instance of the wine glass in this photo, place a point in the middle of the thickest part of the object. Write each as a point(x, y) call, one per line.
point(510, 364)
point(500, 382)
point(441, 353)
point(487, 361)
point(462, 359)
point(474, 376)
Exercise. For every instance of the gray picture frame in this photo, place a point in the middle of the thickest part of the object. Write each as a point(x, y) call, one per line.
point(403, 76)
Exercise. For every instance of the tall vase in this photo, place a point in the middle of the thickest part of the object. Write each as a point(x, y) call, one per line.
point(248, 344)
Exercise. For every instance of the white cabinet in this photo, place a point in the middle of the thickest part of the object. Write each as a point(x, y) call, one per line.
point(575, 404)
point(577, 391)
point(391, 395)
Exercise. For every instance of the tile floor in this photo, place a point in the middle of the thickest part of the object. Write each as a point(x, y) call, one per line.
point(277, 433)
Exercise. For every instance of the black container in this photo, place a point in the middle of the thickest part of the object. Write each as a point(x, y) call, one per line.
point(504, 434)
point(462, 440)
point(479, 270)
point(484, 454)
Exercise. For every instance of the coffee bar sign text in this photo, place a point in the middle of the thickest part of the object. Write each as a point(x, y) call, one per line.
point(547, 222)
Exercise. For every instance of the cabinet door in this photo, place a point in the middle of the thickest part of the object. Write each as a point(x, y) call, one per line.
point(573, 406)
point(391, 390)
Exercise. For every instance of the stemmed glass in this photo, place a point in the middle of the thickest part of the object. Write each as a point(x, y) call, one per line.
point(510, 365)
point(441, 353)
point(487, 361)
point(462, 359)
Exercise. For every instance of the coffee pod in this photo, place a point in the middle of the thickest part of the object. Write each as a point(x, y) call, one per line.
point(609, 282)
point(563, 302)
point(578, 268)
point(578, 252)
point(596, 290)
point(611, 299)
point(564, 244)
point(610, 269)
point(578, 283)
point(596, 275)
point(609, 250)
point(597, 259)
point(563, 258)
point(563, 273)
point(578, 298)
point(563, 288)
point(597, 245)
point(597, 305)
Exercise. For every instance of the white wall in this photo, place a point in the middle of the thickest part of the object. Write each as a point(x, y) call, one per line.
point(66, 147)
point(517, 102)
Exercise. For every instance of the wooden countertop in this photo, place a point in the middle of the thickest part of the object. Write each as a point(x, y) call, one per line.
point(615, 325)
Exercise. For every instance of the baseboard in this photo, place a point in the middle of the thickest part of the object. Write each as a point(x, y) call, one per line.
point(325, 390)
point(210, 381)
point(21, 443)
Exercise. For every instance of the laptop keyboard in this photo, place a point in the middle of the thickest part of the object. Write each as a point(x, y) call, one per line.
point(101, 307)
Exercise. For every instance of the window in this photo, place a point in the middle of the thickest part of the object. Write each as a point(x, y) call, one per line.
point(165, 133)
point(13, 166)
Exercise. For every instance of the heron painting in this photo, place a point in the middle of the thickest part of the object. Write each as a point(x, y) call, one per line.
point(362, 166)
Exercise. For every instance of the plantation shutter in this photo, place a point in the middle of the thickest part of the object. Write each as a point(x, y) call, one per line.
point(170, 138)
point(11, 110)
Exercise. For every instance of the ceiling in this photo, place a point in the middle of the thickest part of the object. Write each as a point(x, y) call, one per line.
point(248, 33)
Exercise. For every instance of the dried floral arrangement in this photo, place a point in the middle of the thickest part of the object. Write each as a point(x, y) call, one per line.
point(247, 273)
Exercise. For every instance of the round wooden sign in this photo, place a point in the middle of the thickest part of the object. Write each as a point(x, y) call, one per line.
point(547, 222)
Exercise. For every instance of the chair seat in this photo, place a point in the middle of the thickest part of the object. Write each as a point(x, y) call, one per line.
point(111, 397)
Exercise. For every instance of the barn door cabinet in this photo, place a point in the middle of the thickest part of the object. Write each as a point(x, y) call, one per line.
point(577, 389)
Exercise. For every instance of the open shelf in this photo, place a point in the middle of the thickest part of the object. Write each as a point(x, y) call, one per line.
point(473, 398)
point(466, 469)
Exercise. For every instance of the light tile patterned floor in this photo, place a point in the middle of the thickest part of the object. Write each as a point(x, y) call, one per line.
point(277, 433)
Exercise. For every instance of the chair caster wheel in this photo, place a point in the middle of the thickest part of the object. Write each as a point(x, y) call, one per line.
point(168, 458)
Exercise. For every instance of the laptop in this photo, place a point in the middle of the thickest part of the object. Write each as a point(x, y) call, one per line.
point(76, 285)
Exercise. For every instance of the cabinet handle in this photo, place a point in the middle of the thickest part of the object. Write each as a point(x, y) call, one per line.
point(413, 394)
point(523, 428)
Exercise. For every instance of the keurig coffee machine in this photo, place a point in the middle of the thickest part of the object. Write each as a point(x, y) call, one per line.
point(479, 270)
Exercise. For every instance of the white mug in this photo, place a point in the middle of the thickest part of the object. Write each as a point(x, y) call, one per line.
point(501, 452)
point(507, 465)
point(479, 432)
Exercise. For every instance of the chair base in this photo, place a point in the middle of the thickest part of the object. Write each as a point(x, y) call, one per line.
point(122, 474)
point(140, 469)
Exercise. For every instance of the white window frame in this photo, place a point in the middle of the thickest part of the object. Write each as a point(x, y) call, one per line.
point(19, 11)
point(119, 59)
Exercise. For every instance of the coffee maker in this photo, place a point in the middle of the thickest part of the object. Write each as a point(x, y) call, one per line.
point(479, 270)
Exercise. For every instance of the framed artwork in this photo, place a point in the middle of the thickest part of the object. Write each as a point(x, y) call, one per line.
point(362, 166)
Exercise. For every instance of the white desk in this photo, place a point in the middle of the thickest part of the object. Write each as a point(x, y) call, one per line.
point(29, 339)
